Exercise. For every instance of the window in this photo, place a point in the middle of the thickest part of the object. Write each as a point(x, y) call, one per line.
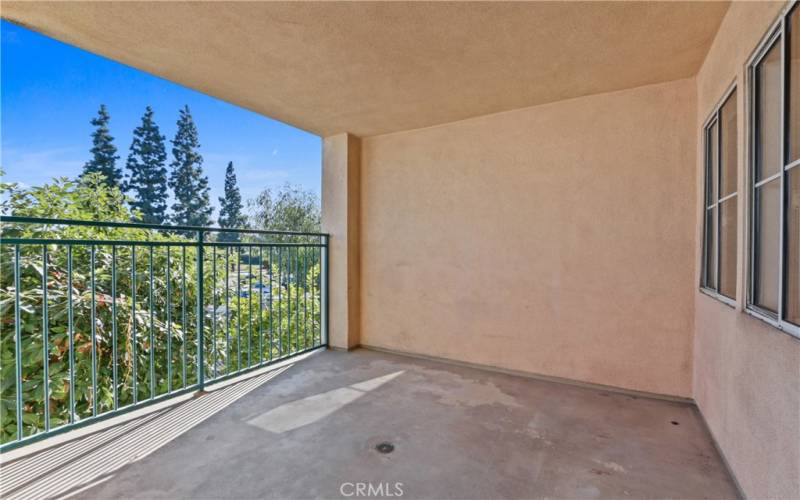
point(774, 292)
point(719, 240)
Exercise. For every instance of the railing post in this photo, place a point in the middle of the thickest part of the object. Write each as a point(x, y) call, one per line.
point(201, 372)
point(324, 298)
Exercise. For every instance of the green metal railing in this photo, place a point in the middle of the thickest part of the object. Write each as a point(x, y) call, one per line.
point(99, 318)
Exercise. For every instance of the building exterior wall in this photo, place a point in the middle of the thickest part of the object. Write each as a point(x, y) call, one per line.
point(556, 240)
point(746, 372)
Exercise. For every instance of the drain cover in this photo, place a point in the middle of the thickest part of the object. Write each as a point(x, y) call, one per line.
point(385, 447)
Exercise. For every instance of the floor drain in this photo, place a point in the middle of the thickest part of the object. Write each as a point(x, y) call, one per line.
point(385, 448)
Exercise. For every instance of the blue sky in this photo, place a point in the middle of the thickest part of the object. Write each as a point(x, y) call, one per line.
point(50, 90)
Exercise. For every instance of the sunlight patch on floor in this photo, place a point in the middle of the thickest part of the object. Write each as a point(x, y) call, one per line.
point(308, 410)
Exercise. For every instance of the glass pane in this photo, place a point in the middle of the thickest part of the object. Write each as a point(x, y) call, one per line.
point(711, 165)
point(768, 116)
point(793, 129)
point(727, 248)
point(792, 304)
point(727, 119)
point(710, 277)
point(767, 245)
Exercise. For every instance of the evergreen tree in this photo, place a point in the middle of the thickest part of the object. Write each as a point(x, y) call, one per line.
point(104, 153)
point(147, 171)
point(230, 213)
point(192, 202)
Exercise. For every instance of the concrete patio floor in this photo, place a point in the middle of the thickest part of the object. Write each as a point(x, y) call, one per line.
point(309, 430)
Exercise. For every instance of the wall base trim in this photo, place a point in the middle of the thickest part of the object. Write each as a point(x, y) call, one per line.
point(536, 376)
point(343, 349)
point(721, 453)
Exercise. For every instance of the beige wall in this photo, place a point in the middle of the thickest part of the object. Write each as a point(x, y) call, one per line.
point(746, 373)
point(557, 239)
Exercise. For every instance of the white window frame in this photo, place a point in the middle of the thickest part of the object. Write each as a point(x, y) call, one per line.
point(714, 118)
point(777, 33)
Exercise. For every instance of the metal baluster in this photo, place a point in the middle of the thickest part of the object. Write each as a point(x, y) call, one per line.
point(261, 305)
point(201, 346)
point(169, 323)
point(313, 296)
point(280, 302)
point(214, 306)
point(238, 308)
point(227, 311)
point(249, 304)
point(71, 333)
point(288, 301)
point(271, 334)
point(134, 355)
point(114, 370)
point(152, 349)
point(93, 317)
point(297, 299)
point(45, 343)
point(305, 299)
point(18, 340)
point(183, 318)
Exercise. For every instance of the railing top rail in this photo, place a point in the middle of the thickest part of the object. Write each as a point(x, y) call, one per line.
point(149, 243)
point(160, 227)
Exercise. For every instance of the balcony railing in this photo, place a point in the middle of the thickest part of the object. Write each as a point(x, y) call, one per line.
point(98, 318)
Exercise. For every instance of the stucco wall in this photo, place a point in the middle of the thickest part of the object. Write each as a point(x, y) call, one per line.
point(746, 373)
point(557, 239)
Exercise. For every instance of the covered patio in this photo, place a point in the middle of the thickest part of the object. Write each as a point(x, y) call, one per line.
point(561, 255)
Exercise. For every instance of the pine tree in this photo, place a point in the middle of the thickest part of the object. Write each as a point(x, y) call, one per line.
point(104, 153)
point(147, 171)
point(192, 202)
point(230, 213)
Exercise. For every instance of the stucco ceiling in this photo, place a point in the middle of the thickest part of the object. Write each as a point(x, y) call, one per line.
point(374, 68)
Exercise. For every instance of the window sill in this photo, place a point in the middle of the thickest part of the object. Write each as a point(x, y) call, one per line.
point(783, 326)
point(718, 296)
